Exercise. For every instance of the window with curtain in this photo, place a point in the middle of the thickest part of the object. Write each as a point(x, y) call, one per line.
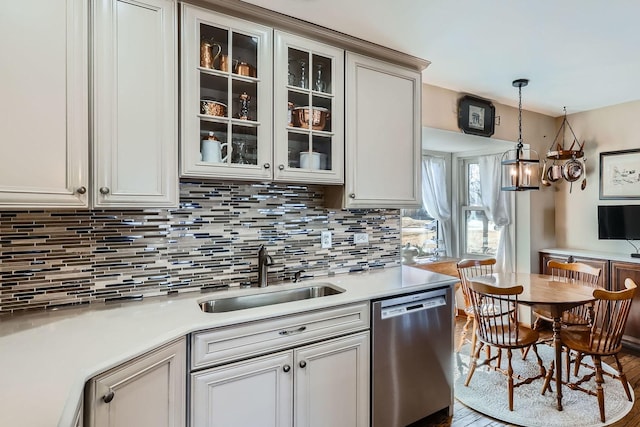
point(426, 231)
point(479, 236)
point(419, 230)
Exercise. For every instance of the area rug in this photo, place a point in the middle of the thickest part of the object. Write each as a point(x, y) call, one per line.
point(487, 393)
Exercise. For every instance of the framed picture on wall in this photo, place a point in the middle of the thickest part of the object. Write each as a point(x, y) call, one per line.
point(476, 116)
point(620, 174)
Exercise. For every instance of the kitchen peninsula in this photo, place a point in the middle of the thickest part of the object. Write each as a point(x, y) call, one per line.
point(46, 358)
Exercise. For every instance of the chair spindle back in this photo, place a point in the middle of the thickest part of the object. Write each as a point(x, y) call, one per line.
point(610, 318)
point(576, 272)
point(468, 268)
point(494, 311)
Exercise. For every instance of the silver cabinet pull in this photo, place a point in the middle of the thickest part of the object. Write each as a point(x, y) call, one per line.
point(81, 190)
point(293, 331)
point(303, 364)
point(104, 190)
point(281, 167)
point(108, 397)
point(352, 195)
point(267, 165)
point(286, 368)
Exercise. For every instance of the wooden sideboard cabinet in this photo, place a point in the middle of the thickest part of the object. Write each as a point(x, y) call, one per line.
point(602, 264)
point(619, 272)
point(614, 272)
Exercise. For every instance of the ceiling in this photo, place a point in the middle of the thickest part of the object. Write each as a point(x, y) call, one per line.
point(582, 54)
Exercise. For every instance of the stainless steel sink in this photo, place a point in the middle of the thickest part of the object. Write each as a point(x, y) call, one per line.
point(242, 302)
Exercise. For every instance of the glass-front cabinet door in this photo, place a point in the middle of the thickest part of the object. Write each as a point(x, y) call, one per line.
point(226, 96)
point(308, 111)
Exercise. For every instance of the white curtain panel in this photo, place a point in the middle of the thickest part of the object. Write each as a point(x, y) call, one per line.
point(498, 207)
point(434, 195)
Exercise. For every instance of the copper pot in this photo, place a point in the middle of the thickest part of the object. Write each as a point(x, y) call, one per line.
point(244, 69)
point(303, 118)
point(213, 108)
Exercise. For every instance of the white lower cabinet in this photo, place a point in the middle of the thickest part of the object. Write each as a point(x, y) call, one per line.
point(332, 383)
point(322, 384)
point(257, 392)
point(149, 391)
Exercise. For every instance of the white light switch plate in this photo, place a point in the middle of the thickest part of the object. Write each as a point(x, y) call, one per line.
point(360, 238)
point(325, 239)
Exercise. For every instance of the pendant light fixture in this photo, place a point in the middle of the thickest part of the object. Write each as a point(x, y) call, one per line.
point(520, 167)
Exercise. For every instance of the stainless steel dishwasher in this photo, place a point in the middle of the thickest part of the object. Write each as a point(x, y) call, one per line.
point(411, 357)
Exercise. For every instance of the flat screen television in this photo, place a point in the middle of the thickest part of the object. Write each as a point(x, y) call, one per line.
point(621, 222)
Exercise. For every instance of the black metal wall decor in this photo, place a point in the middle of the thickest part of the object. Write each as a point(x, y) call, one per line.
point(476, 116)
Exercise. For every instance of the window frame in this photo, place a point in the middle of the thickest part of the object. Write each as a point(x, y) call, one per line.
point(464, 207)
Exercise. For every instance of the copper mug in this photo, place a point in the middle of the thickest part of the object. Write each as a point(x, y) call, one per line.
point(224, 63)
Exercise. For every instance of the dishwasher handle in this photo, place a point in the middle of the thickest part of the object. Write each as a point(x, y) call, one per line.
point(413, 307)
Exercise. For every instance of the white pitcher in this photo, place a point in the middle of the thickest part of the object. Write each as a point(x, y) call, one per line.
point(212, 151)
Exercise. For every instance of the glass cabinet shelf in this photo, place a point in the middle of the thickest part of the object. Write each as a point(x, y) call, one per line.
point(309, 102)
point(227, 96)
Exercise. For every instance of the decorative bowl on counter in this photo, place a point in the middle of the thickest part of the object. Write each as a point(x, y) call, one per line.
point(316, 120)
point(213, 108)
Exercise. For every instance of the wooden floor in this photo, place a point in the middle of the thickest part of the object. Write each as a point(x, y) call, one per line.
point(464, 416)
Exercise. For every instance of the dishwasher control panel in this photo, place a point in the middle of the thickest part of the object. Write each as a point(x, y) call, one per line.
point(413, 306)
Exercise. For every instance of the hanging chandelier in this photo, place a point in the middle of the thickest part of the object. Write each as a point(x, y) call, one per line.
point(520, 167)
point(562, 163)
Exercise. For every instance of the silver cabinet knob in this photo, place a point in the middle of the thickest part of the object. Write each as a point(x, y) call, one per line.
point(267, 165)
point(303, 364)
point(104, 190)
point(286, 368)
point(281, 167)
point(81, 190)
point(352, 195)
point(108, 397)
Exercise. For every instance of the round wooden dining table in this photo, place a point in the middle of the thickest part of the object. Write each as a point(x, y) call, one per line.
point(543, 291)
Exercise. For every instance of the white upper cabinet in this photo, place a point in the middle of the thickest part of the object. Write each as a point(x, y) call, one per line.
point(135, 113)
point(226, 104)
point(43, 125)
point(308, 110)
point(383, 123)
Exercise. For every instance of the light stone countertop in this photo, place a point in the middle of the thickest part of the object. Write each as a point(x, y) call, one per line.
point(46, 358)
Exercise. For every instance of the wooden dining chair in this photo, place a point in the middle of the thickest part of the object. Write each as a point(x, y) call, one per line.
point(468, 268)
point(501, 330)
point(574, 272)
point(570, 272)
point(603, 338)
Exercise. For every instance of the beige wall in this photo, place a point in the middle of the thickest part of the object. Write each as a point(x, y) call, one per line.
point(605, 129)
point(534, 210)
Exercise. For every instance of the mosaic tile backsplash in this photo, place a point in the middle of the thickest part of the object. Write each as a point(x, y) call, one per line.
point(55, 258)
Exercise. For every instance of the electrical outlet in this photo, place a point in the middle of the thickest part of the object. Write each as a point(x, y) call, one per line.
point(360, 238)
point(325, 239)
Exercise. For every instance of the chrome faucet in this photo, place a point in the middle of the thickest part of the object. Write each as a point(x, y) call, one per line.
point(264, 261)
